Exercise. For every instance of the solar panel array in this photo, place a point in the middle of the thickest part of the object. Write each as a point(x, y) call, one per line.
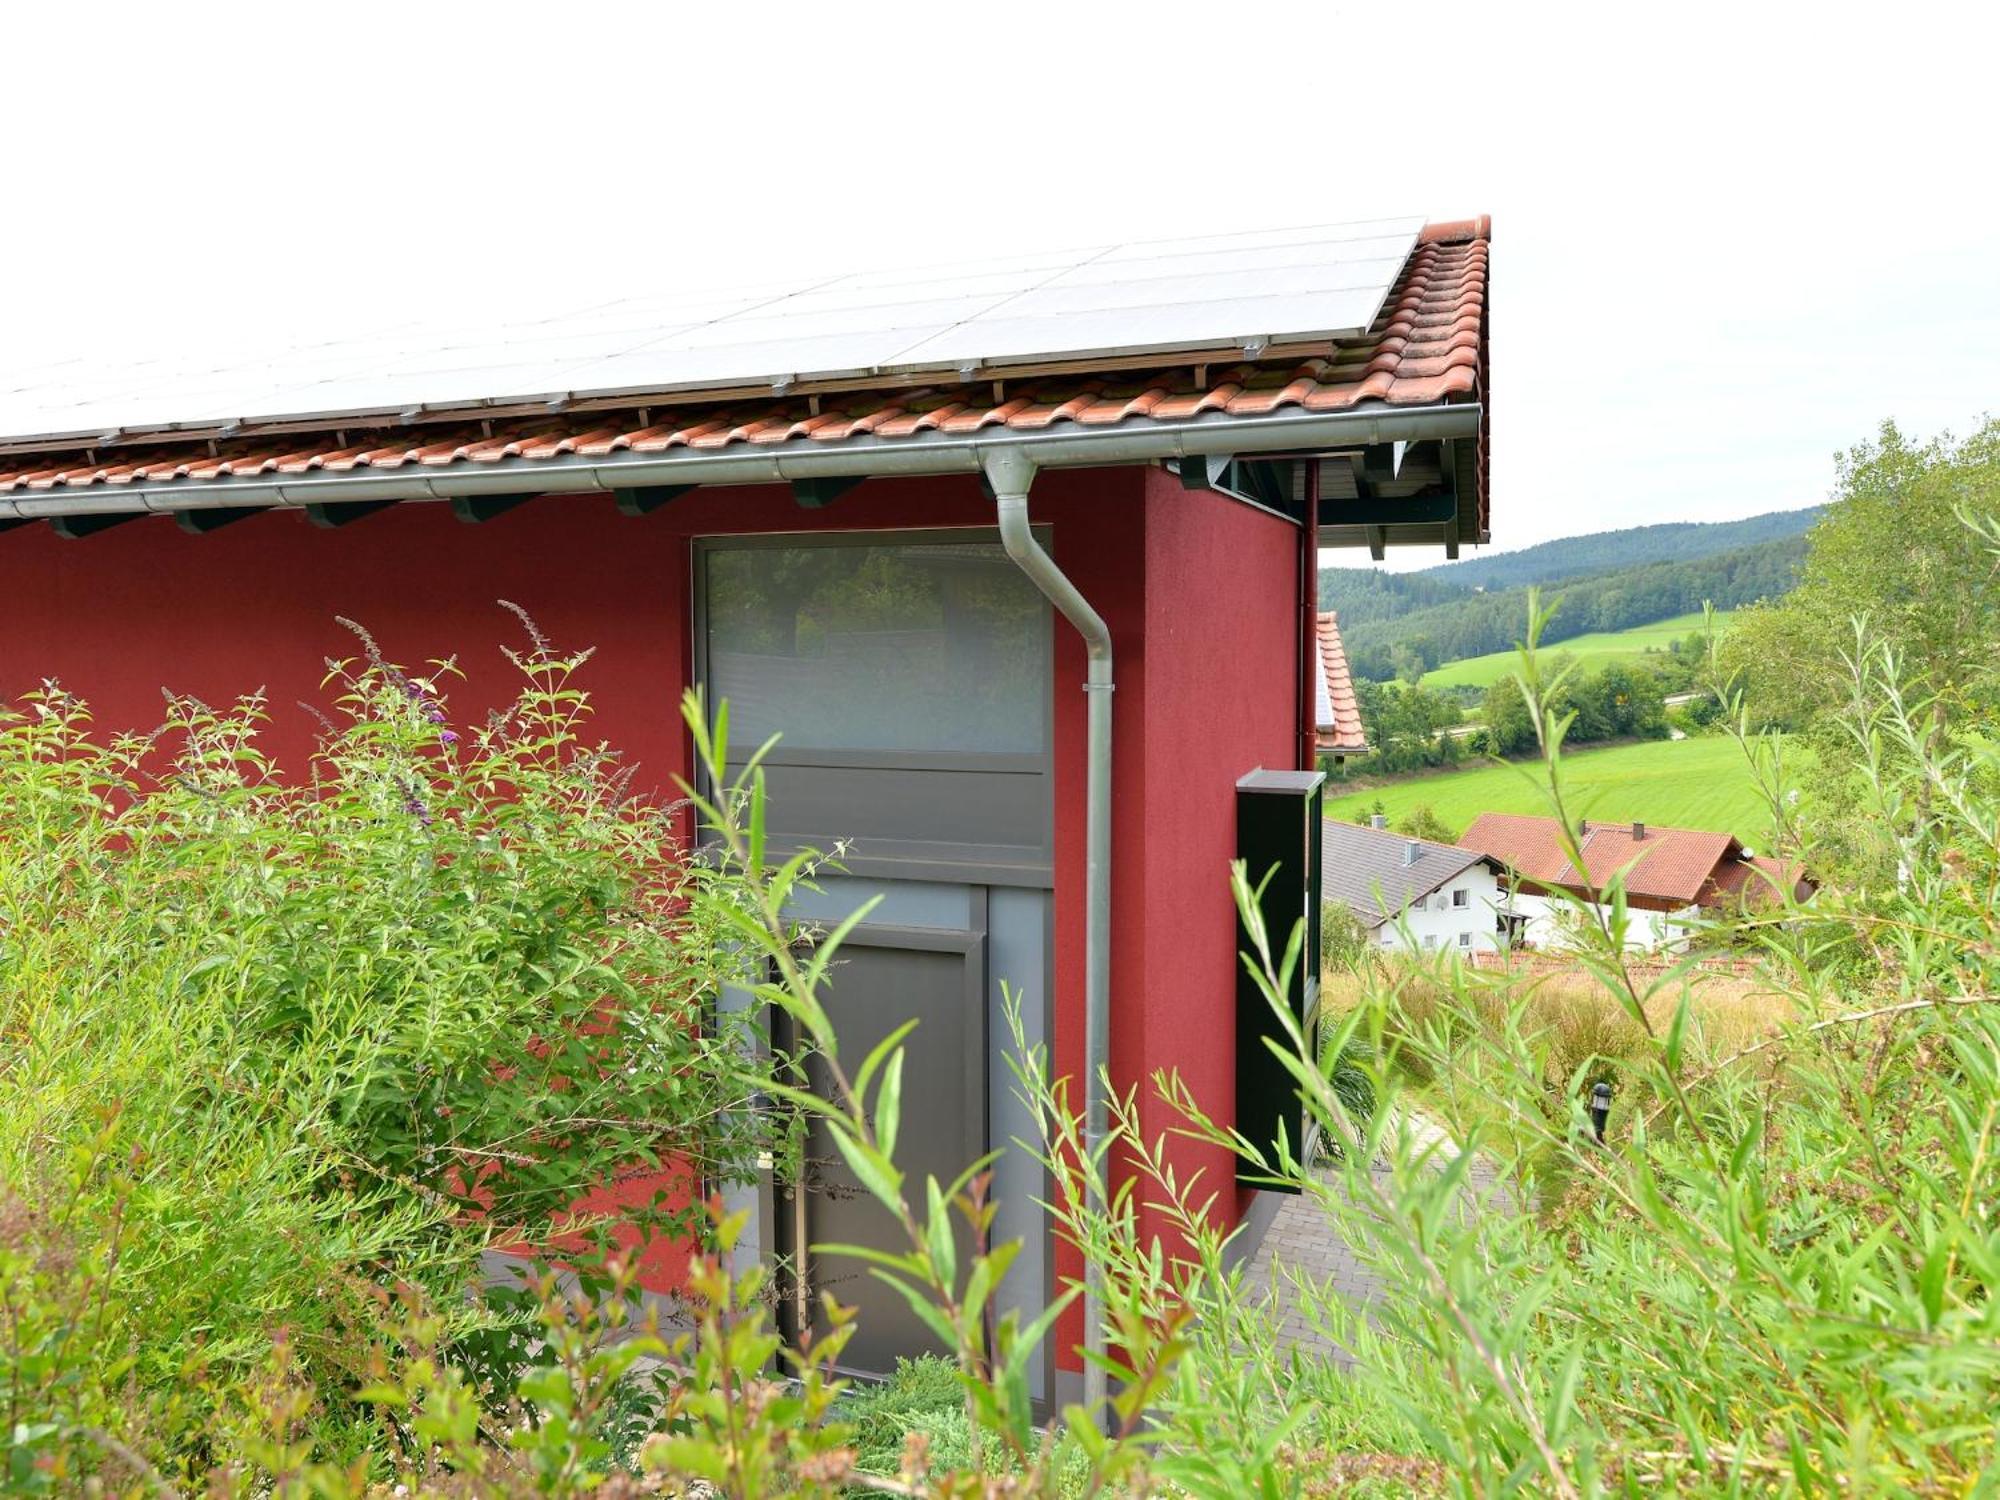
point(1215, 292)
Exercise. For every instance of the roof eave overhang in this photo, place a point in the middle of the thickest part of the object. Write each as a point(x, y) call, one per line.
point(1064, 445)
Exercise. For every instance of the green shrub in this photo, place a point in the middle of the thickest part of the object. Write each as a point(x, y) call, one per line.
point(316, 1037)
point(1343, 941)
point(922, 1395)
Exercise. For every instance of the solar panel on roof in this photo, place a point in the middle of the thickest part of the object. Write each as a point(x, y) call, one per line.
point(1215, 292)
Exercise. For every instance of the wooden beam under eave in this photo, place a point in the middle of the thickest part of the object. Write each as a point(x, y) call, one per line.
point(644, 499)
point(474, 510)
point(76, 528)
point(328, 514)
point(1205, 471)
point(1378, 541)
point(817, 494)
point(201, 522)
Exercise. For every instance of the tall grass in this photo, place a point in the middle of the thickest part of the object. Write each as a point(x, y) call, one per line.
point(1569, 1018)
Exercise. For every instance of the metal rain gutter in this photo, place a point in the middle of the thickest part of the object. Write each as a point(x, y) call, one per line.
point(1010, 473)
point(1064, 446)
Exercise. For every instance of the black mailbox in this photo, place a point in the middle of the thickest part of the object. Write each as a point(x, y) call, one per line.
point(1277, 834)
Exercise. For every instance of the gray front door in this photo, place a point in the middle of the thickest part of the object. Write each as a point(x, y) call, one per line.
point(884, 977)
point(908, 675)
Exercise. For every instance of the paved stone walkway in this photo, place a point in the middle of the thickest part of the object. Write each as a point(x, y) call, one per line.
point(1302, 1244)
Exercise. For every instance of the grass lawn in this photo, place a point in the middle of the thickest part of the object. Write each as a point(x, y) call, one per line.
point(1591, 651)
point(1693, 783)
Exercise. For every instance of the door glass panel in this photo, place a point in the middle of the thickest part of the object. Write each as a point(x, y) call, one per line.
point(919, 648)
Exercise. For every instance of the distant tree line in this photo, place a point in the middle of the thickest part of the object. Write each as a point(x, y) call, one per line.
point(1365, 594)
point(1574, 557)
point(1386, 646)
point(1617, 702)
point(1410, 726)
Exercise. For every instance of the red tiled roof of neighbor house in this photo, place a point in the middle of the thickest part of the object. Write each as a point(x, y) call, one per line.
point(1671, 866)
point(1427, 346)
point(1339, 712)
point(1757, 881)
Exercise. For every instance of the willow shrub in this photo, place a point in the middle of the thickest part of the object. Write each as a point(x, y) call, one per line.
point(1776, 1275)
point(273, 1044)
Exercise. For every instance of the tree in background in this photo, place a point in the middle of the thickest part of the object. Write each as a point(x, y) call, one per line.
point(1510, 728)
point(1420, 822)
point(1897, 558)
point(1406, 726)
point(1409, 663)
point(1891, 547)
point(1618, 702)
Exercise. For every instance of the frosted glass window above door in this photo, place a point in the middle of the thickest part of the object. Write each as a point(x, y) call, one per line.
point(934, 647)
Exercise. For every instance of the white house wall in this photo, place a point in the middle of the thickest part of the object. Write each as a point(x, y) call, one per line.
point(1551, 924)
point(1441, 923)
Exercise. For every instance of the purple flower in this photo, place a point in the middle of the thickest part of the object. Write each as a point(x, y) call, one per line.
point(413, 804)
point(447, 737)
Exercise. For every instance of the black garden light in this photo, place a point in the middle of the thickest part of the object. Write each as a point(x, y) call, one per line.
point(1600, 1108)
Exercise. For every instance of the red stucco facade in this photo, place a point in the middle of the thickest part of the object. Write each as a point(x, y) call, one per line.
point(1202, 596)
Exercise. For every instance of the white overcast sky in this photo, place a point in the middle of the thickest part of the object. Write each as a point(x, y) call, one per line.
point(1727, 240)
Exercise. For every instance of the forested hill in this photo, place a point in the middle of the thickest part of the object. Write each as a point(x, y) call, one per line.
point(1472, 624)
point(1364, 594)
point(1614, 551)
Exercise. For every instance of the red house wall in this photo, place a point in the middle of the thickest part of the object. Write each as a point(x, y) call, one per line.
point(1200, 594)
point(1222, 649)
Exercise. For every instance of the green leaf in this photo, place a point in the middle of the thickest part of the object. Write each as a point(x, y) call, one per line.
point(889, 1105)
point(875, 1058)
point(877, 1173)
point(938, 1236)
point(546, 1386)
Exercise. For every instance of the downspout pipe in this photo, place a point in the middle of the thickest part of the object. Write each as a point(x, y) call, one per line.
point(1010, 472)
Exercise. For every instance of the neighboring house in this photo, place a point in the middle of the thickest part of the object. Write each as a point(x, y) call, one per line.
point(1336, 710)
point(920, 524)
point(1411, 893)
point(1672, 875)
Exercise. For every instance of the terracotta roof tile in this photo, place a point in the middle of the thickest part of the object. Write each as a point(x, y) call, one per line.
point(1338, 711)
point(1427, 347)
point(1758, 881)
point(1685, 866)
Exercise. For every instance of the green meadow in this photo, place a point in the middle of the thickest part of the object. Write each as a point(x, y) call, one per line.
point(1702, 782)
point(1592, 651)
